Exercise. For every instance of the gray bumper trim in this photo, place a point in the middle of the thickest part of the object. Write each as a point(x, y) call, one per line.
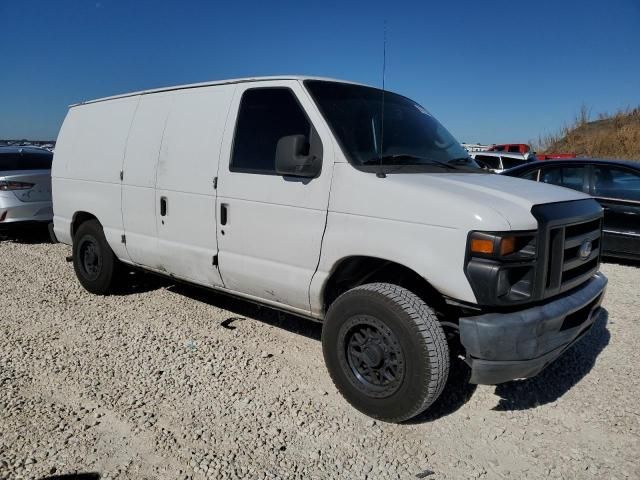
point(505, 346)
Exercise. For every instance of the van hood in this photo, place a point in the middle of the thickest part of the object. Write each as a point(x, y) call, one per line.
point(451, 200)
point(525, 193)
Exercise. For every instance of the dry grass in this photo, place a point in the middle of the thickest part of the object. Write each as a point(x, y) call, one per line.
point(610, 136)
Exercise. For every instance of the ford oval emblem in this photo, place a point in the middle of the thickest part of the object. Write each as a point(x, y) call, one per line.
point(585, 249)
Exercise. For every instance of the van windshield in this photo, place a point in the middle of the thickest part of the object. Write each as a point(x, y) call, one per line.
point(405, 135)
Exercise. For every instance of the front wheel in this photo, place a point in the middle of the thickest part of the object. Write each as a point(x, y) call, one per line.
point(385, 351)
point(93, 260)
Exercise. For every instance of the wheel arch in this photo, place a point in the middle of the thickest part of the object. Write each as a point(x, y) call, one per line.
point(355, 270)
point(78, 219)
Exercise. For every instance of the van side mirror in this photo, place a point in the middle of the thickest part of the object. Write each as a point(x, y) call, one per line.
point(295, 157)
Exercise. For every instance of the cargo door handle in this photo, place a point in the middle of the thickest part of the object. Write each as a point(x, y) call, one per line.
point(163, 206)
point(224, 213)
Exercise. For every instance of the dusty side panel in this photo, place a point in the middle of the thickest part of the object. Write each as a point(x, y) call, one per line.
point(88, 164)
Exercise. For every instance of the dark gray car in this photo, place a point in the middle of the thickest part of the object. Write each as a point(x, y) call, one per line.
point(613, 183)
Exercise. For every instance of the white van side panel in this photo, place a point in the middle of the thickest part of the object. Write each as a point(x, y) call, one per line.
point(87, 173)
point(415, 220)
point(139, 184)
point(406, 243)
point(187, 166)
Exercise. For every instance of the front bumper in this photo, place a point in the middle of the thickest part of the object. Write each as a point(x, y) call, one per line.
point(506, 346)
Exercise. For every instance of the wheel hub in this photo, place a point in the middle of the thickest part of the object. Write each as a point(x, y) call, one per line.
point(374, 356)
point(91, 260)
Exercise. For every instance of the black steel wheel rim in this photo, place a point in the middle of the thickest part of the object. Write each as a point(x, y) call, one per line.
point(374, 356)
point(90, 258)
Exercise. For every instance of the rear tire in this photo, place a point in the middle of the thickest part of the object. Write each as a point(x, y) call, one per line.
point(385, 351)
point(93, 260)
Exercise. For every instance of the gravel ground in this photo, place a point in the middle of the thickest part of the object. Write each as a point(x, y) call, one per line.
point(168, 381)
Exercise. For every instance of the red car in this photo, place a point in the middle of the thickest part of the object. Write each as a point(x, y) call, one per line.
point(511, 148)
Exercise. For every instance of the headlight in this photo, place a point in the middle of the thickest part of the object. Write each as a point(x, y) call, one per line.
point(502, 245)
point(500, 266)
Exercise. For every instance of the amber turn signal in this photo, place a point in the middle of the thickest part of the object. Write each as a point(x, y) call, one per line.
point(482, 246)
point(507, 245)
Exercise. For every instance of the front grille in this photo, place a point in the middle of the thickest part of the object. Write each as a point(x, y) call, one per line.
point(564, 228)
point(567, 268)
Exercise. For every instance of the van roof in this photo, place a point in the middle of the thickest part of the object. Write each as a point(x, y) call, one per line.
point(207, 84)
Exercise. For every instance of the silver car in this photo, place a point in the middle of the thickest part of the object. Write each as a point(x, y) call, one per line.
point(25, 185)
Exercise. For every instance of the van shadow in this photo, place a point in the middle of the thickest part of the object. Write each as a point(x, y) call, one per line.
point(242, 309)
point(457, 391)
point(559, 377)
point(626, 262)
point(133, 281)
point(26, 234)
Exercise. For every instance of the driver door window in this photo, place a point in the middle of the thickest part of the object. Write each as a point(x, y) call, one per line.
point(265, 116)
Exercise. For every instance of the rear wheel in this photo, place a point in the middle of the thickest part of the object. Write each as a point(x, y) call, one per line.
point(93, 260)
point(385, 351)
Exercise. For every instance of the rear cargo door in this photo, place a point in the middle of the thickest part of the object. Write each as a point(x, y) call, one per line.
point(139, 178)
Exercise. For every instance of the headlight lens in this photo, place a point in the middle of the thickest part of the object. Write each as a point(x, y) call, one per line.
point(507, 245)
point(500, 245)
point(480, 245)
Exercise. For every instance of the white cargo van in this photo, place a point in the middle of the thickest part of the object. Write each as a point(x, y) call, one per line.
point(341, 203)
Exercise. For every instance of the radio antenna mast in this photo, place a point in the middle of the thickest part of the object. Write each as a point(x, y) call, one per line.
point(380, 173)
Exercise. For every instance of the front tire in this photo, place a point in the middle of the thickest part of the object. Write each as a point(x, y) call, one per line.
point(93, 260)
point(385, 351)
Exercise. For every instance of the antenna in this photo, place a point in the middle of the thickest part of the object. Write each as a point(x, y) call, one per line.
point(380, 173)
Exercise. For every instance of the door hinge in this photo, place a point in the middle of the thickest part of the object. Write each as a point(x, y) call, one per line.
point(123, 239)
point(215, 183)
point(214, 261)
point(121, 175)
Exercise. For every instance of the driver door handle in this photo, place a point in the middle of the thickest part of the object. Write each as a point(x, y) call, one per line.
point(163, 206)
point(224, 213)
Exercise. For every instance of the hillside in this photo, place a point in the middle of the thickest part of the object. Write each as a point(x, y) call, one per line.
point(611, 136)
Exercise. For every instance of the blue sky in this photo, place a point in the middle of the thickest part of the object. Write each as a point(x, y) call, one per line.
point(491, 71)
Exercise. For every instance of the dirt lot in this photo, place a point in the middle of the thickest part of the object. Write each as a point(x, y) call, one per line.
point(167, 381)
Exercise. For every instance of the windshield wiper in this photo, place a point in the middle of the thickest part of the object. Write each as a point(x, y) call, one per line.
point(406, 159)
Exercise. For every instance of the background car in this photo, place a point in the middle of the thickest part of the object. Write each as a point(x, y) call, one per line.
point(614, 183)
point(510, 148)
point(25, 186)
point(500, 161)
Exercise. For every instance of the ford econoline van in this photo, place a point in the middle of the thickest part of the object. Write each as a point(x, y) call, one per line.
point(341, 203)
